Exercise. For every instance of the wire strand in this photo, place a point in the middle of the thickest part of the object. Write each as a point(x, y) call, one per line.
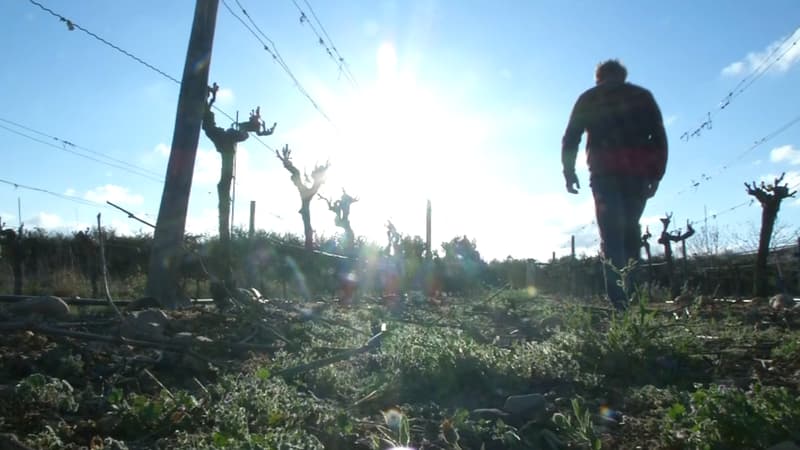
point(64, 147)
point(71, 198)
point(330, 41)
point(703, 178)
point(65, 142)
point(71, 25)
point(745, 83)
point(269, 46)
point(325, 42)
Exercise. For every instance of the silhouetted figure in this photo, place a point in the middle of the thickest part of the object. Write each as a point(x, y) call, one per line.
point(626, 151)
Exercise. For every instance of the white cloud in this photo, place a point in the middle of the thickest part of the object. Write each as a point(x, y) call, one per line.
point(734, 69)
point(113, 193)
point(790, 178)
point(162, 149)
point(669, 120)
point(156, 156)
point(207, 166)
point(44, 220)
point(754, 60)
point(785, 153)
point(225, 96)
point(6, 218)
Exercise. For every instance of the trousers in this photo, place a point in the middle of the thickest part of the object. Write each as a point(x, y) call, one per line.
point(619, 202)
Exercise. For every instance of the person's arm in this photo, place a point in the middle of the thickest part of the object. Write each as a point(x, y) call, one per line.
point(659, 137)
point(572, 136)
point(569, 145)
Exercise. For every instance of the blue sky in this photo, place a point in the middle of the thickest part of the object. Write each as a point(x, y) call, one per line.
point(463, 102)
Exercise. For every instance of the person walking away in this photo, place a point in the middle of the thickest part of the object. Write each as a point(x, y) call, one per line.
point(626, 152)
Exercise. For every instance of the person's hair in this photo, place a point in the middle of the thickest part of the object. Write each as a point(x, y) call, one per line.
point(611, 70)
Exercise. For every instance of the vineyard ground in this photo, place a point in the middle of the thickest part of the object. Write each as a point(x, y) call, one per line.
point(377, 373)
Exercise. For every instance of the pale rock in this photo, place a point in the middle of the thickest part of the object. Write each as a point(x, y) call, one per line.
point(704, 300)
point(194, 364)
point(10, 441)
point(785, 445)
point(781, 301)
point(684, 299)
point(187, 338)
point(552, 322)
point(45, 306)
point(489, 413)
point(528, 405)
point(156, 316)
point(147, 324)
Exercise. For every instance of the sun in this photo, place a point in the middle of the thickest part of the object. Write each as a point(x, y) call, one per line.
point(403, 129)
point(401, 143)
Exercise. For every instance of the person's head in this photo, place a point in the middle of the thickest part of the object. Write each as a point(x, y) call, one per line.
point(611, 70)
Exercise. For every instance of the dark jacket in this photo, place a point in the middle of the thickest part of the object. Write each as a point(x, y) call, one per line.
point(625, 132)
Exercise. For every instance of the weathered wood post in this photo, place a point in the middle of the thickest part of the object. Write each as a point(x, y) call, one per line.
point(428, 213)
point(572, 272)
point(250, 267)
point(646, 244)
point(165, 257)
point(252, 231)
point(428, 273)
point(530, 273)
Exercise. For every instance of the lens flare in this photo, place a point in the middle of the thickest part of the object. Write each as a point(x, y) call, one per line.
point(393, 418)
point(299, 277)
point(609, 413)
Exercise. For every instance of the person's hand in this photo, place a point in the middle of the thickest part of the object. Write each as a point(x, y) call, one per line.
point(572, 182)
point(652, 187)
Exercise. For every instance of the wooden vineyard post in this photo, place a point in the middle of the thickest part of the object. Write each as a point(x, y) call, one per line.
point(252, 231)
point(573, 282)
point(428, 213)
point(166, 254)
point(251, 250)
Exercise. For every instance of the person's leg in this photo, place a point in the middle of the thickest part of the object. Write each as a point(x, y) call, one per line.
point(608, 201)
point(635, 200)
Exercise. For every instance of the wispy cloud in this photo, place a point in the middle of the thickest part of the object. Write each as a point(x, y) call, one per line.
point(791, 178)
point(225, 96)
point(161, 149)
point(45, 220)
point(6, 218)
point(113, 193)
point(785, 153)
point(669, 120)
point(753, 60)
